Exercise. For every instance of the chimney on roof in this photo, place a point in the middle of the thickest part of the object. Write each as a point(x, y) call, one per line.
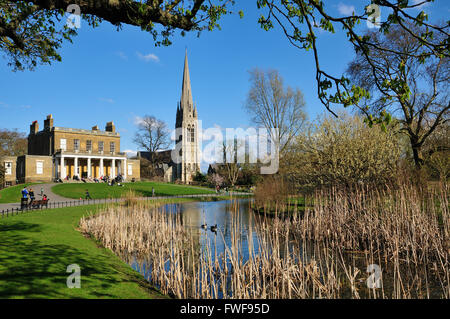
point(95, 128)
point(110, 127)
point(34, 127)
point(48, 123)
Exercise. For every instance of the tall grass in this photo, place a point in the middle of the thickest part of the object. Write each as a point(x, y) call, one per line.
point(322, 254)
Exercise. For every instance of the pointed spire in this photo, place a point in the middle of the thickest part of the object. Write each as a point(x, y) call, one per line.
point(186, 93)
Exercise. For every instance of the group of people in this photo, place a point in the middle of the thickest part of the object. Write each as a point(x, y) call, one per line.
point(30, 193)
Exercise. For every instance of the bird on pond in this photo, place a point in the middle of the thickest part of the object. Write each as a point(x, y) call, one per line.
point(214, 228)
point(204, 226)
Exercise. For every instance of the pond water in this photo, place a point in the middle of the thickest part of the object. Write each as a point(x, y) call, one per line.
point(238, 214)
point(220, 213)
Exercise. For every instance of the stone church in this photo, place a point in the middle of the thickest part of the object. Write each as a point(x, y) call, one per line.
point(182, 163)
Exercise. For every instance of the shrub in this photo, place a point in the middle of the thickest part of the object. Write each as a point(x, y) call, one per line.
point(342, 151)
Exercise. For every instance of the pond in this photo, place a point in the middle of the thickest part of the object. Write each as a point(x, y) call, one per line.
point(224, 215)
point(267, 258)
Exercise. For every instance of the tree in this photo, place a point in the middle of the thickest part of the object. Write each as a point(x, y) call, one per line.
point(401, 84)
point(2, 175)
point(231, 165)
point(342, 151)
point(273, 106)
point(12, 143)
point(31, 32)
point(215, 179)
point(437, 152)
point(152, 134)
point(301, 21)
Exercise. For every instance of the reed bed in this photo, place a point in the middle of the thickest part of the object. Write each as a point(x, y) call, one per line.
point(322, 253)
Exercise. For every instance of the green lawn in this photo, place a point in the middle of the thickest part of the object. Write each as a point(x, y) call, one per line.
point(37, 247)
point(13, 194)
point(103, 190)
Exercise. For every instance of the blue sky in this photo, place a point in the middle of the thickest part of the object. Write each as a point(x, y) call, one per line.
point(115, 76)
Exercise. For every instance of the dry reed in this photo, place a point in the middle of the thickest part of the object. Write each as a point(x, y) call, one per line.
point(322, 254)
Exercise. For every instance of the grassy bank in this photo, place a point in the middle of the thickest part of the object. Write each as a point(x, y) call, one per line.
point(103, 190)
point(13, 194)
point(37, 247)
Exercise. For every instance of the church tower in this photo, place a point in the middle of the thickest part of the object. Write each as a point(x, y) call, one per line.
point(187, 122)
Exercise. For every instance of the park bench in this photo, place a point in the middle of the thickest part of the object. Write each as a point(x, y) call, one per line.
point(39, 203)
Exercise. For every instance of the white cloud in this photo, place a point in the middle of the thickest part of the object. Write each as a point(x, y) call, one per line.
point(107, 100)
point(138, 120)
point(346, 9)
point(122, 55)
point(148, 57)
point(130, 153)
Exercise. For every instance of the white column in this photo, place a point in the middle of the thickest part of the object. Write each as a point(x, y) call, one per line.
point(101, 167)
point(89, 167)
point(63, 168)
point(75, 164)
point(113, 168)
point(125, 168)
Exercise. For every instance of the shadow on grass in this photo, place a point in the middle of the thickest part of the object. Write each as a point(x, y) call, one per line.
point(32, 269)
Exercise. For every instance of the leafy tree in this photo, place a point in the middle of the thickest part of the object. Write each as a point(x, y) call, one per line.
point(401, 84)
point(271, 105)
point(342, 151)
point(12, 143)
point(31, 32)
point(301, 21)
point(200, 177)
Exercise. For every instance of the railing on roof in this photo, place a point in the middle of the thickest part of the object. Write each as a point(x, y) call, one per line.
point(79, 130)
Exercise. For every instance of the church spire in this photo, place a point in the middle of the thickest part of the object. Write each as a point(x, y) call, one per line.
point(186, 93)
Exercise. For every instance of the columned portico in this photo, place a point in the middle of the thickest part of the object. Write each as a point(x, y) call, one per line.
point(89, 166)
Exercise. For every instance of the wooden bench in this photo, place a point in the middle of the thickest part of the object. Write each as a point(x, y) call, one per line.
point(39, 203)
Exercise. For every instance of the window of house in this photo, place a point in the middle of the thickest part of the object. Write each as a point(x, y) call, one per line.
point(63, 143)
point(130, 169)
point(39, 167)
point(112, 146)
point(8, 167)
point(76, 145)
point(88, 145)
point(100, 146)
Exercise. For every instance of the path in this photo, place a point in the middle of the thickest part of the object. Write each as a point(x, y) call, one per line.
point(55, 199)
point(47, 188)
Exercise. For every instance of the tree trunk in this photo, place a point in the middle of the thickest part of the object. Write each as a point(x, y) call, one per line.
point(417, 155)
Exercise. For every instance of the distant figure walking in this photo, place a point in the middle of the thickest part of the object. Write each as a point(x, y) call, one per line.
point(31, 193)
point(42, 191)
point(88, 196)
point(24, 193)
point(153, 192)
